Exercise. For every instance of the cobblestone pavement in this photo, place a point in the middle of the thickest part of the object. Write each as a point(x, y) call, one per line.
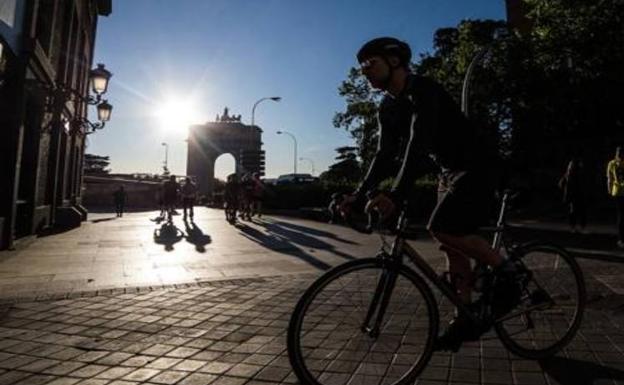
point(203, 327)
point(233, 333)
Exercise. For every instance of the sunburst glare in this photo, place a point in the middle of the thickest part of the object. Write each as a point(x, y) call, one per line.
point(176, 114)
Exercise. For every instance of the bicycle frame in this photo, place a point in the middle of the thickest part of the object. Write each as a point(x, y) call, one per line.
point(394, 259)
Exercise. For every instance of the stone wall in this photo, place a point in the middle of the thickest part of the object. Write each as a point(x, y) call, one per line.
point(98, 193)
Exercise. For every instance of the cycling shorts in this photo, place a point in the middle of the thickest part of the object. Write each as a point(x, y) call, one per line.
point(465, 201)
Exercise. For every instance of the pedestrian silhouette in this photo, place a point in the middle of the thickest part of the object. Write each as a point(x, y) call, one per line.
point(189, 194)
point(119, 199)
point(170, 190)
point(615, 186)
point(573, 185)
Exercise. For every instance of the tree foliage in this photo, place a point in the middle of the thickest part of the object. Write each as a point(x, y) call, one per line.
point(96, 164)
point(543, 96)
point(347, 170)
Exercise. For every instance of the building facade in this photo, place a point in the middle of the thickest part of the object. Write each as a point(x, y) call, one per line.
point(46, 52)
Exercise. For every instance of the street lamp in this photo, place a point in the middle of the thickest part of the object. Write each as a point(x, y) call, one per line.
point(98, 78)
point(295, 141)
point(165, 168)
point(311, 163)
point(253, 109)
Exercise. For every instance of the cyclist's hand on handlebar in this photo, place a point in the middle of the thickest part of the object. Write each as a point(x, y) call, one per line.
point(383, 205)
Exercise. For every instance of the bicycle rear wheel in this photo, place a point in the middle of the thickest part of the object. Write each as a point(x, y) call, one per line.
point(327, 343)
point(551, 309)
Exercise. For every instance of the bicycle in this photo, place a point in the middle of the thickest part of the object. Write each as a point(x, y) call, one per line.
point(375, 320)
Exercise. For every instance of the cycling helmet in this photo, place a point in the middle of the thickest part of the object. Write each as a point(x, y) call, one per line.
point(386, 46)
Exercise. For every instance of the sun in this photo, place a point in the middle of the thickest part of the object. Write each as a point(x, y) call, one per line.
point(177, 114)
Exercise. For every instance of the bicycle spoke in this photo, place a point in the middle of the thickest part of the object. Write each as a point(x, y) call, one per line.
point(337, 351)
point(549, 315)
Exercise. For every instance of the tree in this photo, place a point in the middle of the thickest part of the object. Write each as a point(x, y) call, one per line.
point(96, 164)
point(359, 118)
point(454, 48)
point(542, 96)
point(347, 170)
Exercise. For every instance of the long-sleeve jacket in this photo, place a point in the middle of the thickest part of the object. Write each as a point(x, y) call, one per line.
point(423, 129)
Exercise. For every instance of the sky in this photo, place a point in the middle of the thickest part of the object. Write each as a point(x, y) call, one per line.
point(180, 62)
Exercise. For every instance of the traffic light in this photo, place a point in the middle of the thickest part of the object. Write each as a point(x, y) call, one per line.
point(252, 161)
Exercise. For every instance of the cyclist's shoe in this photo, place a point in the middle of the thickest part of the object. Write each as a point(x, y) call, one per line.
point(458, 331)
point(508, 287)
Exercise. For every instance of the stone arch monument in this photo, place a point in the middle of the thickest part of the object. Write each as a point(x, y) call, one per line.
point(206, 142)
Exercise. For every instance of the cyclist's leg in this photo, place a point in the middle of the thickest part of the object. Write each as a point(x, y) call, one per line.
point(472, 245)
point(460, 273)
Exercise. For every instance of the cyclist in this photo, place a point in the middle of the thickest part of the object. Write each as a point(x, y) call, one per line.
point(421, 124)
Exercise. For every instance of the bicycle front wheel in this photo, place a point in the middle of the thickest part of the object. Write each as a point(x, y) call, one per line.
point(328, 342)
point(551, 309)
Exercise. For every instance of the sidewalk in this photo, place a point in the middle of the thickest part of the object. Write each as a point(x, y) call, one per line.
point(219, 316)
point(597, 241)
point(108, 253)
point(234, 333)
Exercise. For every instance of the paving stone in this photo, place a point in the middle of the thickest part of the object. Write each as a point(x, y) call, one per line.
point(199, 379)
point(243, 370)
point(115, 372)
point(143, 374)
point(169, 377)
point(64, 368)
point(273, 373)
point(13, 376)
point(189, 365)
point(16, 361)
point(182, 352)
point(90, 370)
point(217, 367)
point(115, 358)
point(35, 379)
point(39, 365)
point(93, 381)
point(92, 356)
point(138, 361)
point(229, 381)
point(64, 381)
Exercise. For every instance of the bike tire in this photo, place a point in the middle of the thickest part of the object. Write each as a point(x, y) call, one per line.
point(560, 276)
point(322, 347)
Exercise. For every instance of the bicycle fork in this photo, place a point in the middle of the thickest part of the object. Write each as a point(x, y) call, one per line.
point(381, 299)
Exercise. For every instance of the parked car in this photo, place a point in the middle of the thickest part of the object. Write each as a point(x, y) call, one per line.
point(295, 179)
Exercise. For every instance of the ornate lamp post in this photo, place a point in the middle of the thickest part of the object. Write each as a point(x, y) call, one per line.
point(60, 94)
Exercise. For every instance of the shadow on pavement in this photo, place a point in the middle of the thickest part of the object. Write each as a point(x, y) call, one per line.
point(301, 239)
point(103, 219)
point(277, 243)
point(315, 232)
point(568, 371)
point(196, 236)
point(168, 234)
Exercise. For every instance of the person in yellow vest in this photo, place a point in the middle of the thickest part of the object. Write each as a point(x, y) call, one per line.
point(615, 184)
